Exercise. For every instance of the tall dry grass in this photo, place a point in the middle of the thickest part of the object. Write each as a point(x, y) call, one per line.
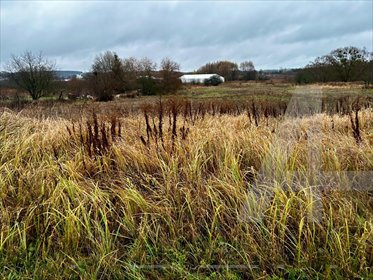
point(231, 199)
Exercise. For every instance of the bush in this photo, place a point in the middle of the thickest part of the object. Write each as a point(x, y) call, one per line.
point(213, 81)
point(148, 86)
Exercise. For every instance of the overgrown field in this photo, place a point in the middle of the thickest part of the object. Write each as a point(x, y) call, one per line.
point(188, 190)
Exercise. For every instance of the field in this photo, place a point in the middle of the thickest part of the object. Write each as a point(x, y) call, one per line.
point(240, 181)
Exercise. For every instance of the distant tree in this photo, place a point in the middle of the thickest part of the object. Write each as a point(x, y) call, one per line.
point(349, 62)
point(131, 68)
point(169, 74)
point(368, 73)
point(146, 82)
point(147, 67)
point(33, 73)
point(208, 68)
point(105, 62)
point(321, 70)
point(247, 70)
point(343, 64)
point(227, 69)
point(107, 76)
point(247, 66)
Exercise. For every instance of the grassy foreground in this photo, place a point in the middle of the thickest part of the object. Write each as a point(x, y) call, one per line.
point(223, 199)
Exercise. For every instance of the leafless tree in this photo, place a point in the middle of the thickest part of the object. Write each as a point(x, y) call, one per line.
point(147, 67)
point(247, 70)
point(247, 66)
point(169, 71)
point(227, 69)
point(107, 76)
point(321, 69)
point(146, 81)
point(105, 62)
point(131, 69)
point(33, 73)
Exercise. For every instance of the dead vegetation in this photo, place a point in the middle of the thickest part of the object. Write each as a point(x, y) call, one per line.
point(188, 189)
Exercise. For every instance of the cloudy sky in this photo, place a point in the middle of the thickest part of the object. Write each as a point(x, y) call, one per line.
point(271, 34)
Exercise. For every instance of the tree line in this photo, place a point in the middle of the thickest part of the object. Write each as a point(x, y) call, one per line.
point(346, 64)
point(231, 71)
point(111, 75)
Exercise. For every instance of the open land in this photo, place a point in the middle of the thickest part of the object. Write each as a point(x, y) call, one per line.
point(240, 181)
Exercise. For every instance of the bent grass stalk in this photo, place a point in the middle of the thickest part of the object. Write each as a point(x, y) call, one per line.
point(119, 213)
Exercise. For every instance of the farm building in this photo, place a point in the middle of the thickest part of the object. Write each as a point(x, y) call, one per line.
point(197, 78)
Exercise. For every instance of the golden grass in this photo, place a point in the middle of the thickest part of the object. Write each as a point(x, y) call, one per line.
point(233, 200)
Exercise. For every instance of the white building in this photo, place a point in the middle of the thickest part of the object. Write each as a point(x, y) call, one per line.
point(197, 78)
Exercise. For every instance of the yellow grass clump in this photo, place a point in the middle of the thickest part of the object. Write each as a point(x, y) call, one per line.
point(290, 198)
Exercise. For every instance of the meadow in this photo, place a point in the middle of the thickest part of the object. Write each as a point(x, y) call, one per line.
point(240, 181)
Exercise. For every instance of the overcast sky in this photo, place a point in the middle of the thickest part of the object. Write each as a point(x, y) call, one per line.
point(271, 34)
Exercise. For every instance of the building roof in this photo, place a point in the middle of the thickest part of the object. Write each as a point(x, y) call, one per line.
point(198, 76)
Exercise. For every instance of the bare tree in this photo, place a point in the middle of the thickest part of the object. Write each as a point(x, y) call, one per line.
point(248, 70)
point(105, 62)
point(247, 66)
point(368, 74)
point(320, 69)
point(147, 83)
point(33, 73)
point(227, 69)
point(107, 76)
point(147, 67)
point(131, 68)
point(169, 72)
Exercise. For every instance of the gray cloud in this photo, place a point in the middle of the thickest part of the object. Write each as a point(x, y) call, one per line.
point(272, 34)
